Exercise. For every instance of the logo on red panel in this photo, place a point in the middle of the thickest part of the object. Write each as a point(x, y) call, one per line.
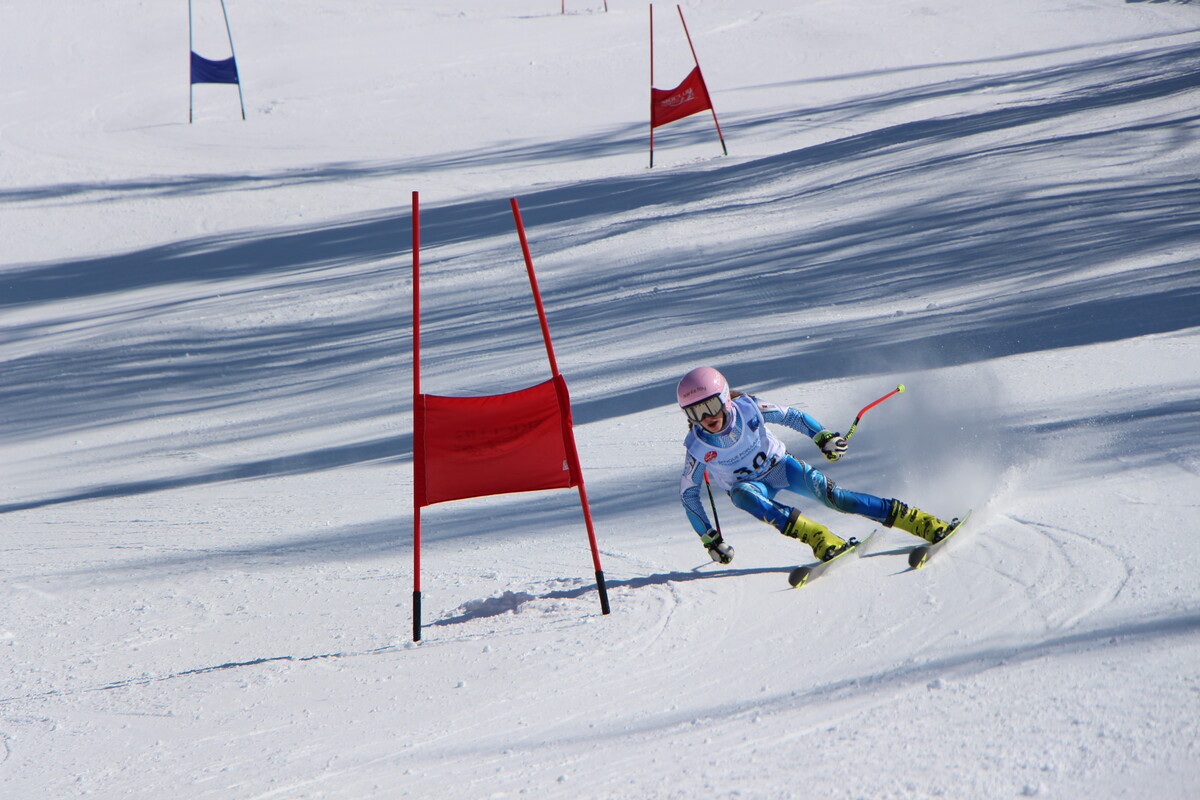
point(709, 456)
point(686, 96)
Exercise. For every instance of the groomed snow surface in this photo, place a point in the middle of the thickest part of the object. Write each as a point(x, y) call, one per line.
point(206, 454)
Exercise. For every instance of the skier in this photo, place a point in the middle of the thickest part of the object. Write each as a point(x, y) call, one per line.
point(728, 438)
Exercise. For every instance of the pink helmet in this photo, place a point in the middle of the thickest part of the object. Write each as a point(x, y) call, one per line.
point(699, 385)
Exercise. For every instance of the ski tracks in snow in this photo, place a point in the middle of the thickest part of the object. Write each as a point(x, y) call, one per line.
point(1046, 578)
point(1078, 574)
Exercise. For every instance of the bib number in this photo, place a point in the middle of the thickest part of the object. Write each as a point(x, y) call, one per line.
point(760, 461)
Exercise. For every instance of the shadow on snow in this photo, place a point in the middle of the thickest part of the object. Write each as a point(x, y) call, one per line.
point(1029, 267)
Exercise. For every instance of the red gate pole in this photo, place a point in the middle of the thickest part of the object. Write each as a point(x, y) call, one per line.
point(418, 417)
point(652, 85)
point(711, 107)
point(569, 440)
point(537, 295)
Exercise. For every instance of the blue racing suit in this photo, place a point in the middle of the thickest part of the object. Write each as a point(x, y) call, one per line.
point(754, 484)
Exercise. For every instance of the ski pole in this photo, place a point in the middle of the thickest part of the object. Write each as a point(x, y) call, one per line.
point(711, 502)
point(869, 406)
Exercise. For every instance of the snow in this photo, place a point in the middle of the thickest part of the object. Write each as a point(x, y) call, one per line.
point(207, 432)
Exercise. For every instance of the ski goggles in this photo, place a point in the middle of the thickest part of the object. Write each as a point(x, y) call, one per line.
point(708, 407)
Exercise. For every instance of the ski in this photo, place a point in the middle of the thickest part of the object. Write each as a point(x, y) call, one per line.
point(802, 575)
point(919, 556)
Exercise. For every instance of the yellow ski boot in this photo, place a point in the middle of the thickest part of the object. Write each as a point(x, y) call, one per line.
point(917, 522)
point(824, 543)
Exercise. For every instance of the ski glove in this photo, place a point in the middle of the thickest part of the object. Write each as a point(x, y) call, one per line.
point(833, 445)
point(720, 552)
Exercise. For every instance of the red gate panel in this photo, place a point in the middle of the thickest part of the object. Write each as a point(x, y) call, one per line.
point(494, 444)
